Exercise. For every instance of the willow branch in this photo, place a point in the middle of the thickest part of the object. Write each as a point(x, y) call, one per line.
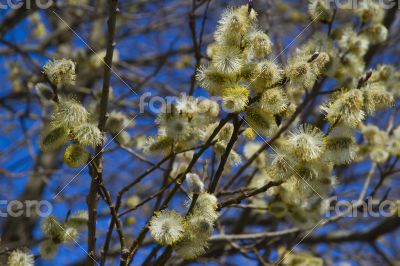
point(92, 199)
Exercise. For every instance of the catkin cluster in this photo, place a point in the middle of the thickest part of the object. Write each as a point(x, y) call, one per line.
point(243, 73)
point(188, 122)
point(189, 234)
point(72, 122)
point(241, 69)
point(378, 144)
point(57, 233)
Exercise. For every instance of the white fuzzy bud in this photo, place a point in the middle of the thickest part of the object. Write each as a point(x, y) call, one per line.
point(194, 183)
point(20, 258)
point(167, 227)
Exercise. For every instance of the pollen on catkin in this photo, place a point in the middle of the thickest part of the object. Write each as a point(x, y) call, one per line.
point(267, 74)
point(249, 133)
point(211, 79)
point(379, 154)
point(375, 34)
point(191, 248)
point(175, 126)
point(353, 42)
point(300, 73)
point(52, 229)
point(209, 108)
point(235, 99)
point(157, 145)
point(373, 135)
point(206, 206)
point(319, 10)
point(76, 156)
point(351, 66)
point(280, 168)
point(259, 44)
point(346, 108)
point(274, 101)
point(167, 227)
point(320, 64)
point(60, 72)
point(307, 142)
point(226, 132)
point(233, 25)
point(262, 122)
point(199, 227)
point(70, 235)
point(20, 258)
point(376, 98)
point(370, 11)
point(301, 259)
point(223, 135)
point(87, 134)
point(228, 60)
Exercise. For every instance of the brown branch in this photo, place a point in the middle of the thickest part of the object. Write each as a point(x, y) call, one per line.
point(382, 254)
point(387, 226)
point(92, 199)
point(225, 156)
point(246, 195)
point(196, 44)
